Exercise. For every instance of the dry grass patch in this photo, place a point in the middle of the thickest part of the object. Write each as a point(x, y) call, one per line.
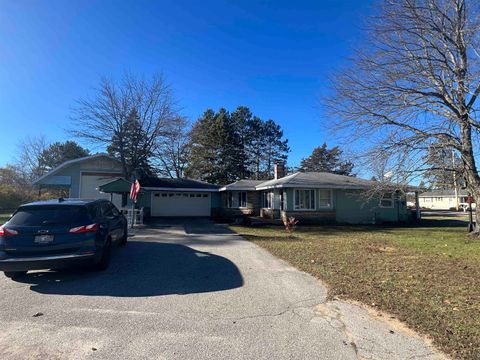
point(429, 276)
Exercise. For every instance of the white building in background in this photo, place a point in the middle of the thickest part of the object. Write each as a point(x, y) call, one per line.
point(442, 199)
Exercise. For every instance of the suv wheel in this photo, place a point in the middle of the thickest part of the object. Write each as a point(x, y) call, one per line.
point(104, 261)
point(14, 274)
point(124, 239)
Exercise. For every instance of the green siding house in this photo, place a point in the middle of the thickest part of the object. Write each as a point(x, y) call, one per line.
point(312, 197)
point(315, 197)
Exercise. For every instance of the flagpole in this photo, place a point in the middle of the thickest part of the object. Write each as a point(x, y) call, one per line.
point(132, 189)
point(133, 214)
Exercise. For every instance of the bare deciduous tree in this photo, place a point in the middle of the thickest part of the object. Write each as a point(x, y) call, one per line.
point(107, 118)
point(29, 155)
point(415, 83)
point(171, 151)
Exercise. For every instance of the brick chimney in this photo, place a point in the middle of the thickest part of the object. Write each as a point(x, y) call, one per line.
point(279, 170)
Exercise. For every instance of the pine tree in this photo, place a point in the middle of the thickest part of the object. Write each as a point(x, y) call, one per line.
point(242, 121)
point(323, 159)
point(227, 147)
point(276, 149)
point(58, 152)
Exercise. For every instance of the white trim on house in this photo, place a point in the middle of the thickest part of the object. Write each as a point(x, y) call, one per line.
point(295, 199)
point(265, 196)
point(236, 194)
point(330, 206)
point(237, 189)
point(293, 186)
point(392, 199)
point(178, 189)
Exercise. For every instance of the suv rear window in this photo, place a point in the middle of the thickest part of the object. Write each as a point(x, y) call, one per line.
point(44, 215)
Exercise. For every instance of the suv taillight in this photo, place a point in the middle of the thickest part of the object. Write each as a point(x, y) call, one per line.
point(84, 229)
point(7, 232)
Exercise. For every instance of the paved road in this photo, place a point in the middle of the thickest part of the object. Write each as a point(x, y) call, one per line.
point(446, 213)
point(191, 291)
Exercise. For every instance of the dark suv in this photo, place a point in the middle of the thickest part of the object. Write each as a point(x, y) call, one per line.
point(59, 233)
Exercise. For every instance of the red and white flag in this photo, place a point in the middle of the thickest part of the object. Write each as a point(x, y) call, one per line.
point(134, 190)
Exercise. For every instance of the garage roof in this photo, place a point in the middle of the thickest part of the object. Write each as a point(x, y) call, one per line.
point(154, 183)
point(71, 162)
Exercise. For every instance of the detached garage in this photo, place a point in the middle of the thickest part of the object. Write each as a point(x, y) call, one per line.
point(82, 176)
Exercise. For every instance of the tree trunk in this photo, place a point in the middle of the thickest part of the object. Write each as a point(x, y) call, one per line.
point(471, 173)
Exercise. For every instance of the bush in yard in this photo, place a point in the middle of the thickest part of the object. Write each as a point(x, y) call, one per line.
point(290, 223)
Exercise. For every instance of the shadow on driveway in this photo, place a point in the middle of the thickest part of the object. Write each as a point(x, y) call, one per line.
point(144, 268)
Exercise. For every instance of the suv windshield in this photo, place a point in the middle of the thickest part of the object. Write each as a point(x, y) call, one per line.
point(45, 215)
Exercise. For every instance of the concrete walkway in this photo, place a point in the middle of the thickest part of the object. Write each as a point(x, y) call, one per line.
point(191, 290)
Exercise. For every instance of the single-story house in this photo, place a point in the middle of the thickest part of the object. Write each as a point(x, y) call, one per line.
point(442, 199)
point(314, 197)
point(310, 197)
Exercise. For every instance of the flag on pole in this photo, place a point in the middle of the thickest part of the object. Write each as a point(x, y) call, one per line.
point(134, 190)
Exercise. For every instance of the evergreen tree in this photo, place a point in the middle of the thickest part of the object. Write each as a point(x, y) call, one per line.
point(276, 148)
point(214, 155)
point(242, 121)
point(256, 147)
point(323, 159)
point(227, 147)
point(58, 152)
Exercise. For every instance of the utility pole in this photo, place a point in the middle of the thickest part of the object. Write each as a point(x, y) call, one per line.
point(455, 186)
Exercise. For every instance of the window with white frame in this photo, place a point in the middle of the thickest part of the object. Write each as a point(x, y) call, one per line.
point(267, 200)
point(242, 199)
point(237, 199)
point(387, 200)
point(283, 200)
point(304, 199)
point(325, 199)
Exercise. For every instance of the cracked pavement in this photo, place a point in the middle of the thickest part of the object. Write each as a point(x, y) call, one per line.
point(191, 290)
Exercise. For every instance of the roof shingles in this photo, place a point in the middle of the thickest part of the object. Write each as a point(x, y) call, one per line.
point(153, 182)
point(317, 180)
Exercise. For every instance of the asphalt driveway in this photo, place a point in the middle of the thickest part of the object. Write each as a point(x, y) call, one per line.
point(191, 290)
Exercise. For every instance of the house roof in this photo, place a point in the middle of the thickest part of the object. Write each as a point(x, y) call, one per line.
point(154, 183)
point(242, 185)
point(71, 162)
point(317, 180)
point(446, 193)
point(120, 185)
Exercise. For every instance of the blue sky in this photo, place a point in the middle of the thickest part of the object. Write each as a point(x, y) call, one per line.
point(272, 56)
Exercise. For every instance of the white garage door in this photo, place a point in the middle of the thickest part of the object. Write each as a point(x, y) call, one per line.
point(90, 183)
point(180, 204)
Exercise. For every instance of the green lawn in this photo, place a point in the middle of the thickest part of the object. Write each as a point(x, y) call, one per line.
point(428, 276)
